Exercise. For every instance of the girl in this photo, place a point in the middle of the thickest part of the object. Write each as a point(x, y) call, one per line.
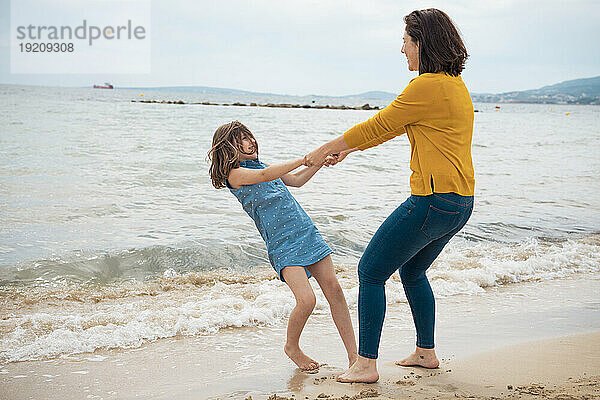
point(296, 249)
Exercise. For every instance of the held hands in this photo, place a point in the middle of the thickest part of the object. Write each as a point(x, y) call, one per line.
point(315, 157)
point(327, 160)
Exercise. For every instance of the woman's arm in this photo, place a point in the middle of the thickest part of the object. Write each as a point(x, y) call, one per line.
point(410, 106)
point(335, 146)
point(246, 176)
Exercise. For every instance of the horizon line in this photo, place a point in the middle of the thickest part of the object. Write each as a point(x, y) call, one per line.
point(277, 94)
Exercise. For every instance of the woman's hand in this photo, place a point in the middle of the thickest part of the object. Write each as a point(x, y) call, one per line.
point(331, 160)
point(337, 158)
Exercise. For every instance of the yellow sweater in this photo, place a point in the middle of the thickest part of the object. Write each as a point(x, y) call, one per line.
point(436, 113)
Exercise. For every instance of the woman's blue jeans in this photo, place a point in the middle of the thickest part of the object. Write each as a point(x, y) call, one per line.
point(409, 240)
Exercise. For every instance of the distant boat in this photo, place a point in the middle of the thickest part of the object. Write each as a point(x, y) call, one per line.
point(105, 86)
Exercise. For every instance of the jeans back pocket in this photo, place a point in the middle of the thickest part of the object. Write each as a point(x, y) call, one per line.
point(439, 222)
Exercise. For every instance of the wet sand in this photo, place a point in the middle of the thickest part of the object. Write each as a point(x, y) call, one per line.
point(542, 339)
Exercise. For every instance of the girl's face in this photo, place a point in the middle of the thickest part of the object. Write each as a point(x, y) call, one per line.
point(248, 148)
point(411, 49)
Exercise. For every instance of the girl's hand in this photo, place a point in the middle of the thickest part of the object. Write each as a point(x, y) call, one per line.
point(305, 161)
point(315, 157)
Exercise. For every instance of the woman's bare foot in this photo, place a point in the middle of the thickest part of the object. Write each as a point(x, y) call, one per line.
point(363, 370)
point(420, 358)
point(303, 361)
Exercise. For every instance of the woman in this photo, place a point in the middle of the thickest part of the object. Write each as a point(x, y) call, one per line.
point(436, 113)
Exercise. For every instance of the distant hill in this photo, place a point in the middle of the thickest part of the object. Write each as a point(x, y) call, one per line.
point(201, 89)
point(577, 91)
point(374, 95)
point(213, 90)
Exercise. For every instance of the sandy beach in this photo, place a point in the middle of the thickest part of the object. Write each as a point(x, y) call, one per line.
point(517, 336)
point(562, 368)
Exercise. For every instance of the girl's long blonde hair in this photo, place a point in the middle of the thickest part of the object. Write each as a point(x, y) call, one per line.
point(226, 149)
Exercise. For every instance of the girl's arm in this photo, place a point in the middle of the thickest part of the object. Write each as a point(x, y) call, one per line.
point(299, 178)
point(246, 176)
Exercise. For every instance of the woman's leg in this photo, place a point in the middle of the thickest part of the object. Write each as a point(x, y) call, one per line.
point(422, 303)
point(420, 296)
point(324, 273)
point(418, 222)
point(397, 240)
point(296, 279)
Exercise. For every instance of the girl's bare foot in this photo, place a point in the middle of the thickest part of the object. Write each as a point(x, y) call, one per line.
point(420, 358)
point(303, 361)
point(363, 370)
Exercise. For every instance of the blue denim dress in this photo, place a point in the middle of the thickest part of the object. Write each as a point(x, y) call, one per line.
point(290, 235)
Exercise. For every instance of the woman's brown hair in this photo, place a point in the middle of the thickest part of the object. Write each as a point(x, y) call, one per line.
point(441, 48)
point(226, 149)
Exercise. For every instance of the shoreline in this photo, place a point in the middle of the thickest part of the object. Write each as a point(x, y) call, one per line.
point(236, 363)
point(563, 368)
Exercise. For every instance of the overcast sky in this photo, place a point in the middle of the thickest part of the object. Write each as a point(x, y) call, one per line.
point(344, 47)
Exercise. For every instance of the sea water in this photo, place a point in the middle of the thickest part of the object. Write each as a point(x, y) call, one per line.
point(112, 236)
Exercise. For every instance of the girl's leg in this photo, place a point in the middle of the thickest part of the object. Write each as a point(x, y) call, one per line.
point(296, 279)
point(324, 273)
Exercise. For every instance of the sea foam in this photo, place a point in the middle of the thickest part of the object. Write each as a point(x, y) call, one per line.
point(65, 318)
